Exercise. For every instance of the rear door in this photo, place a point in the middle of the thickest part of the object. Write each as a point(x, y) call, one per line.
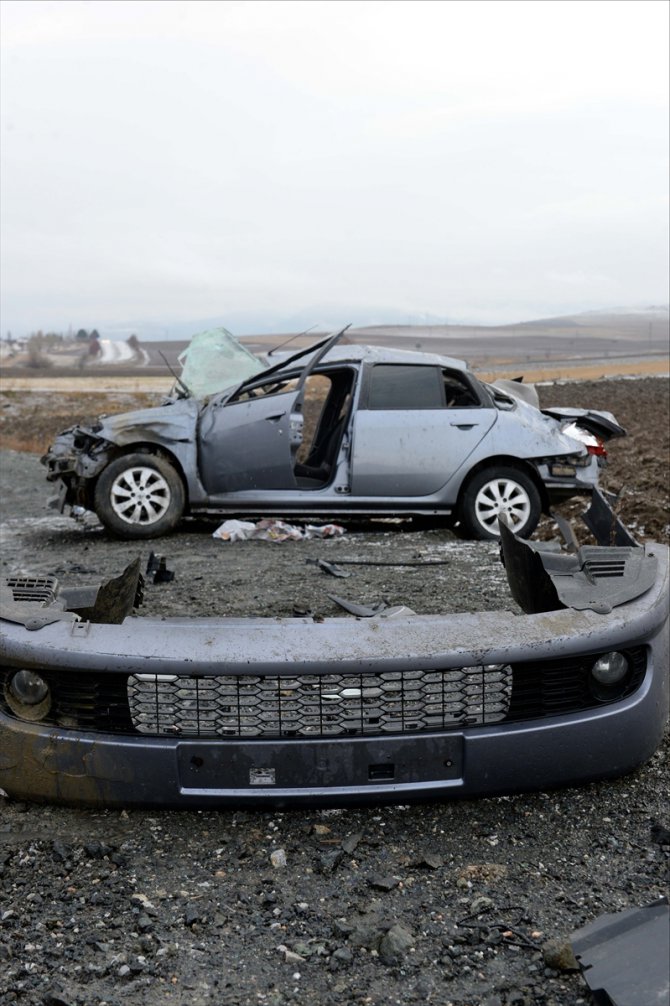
point(415, 426)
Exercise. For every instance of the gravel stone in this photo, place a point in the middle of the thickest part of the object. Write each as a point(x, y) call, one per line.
point(560, 860)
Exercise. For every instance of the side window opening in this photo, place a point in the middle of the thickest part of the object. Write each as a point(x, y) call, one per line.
point(395, 386)
point(458, 393)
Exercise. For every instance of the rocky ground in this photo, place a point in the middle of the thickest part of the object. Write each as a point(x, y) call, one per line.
point(445, 903)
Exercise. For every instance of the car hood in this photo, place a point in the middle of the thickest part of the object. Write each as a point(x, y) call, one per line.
point(173, 422)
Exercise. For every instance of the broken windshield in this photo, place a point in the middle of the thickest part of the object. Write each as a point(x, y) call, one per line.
point(215, 361)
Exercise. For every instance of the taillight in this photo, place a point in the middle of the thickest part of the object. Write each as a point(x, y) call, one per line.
point(593, 444)
point(597, 449)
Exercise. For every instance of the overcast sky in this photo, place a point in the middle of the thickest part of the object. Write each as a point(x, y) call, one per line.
point(480, 161)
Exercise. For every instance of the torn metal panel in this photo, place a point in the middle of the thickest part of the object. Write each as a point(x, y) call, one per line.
point(601, 424)
point(625, 956)
point(517, 389)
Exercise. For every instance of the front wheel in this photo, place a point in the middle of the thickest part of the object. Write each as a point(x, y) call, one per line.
point(139, 496)
point(496, 492)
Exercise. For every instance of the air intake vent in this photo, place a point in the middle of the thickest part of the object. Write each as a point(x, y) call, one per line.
point(42, 589)
point(599, 569)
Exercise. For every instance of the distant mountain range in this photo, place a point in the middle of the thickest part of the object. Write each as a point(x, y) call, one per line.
point(633, 321)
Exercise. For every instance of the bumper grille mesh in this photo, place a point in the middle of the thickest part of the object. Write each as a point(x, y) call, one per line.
point(330, 705)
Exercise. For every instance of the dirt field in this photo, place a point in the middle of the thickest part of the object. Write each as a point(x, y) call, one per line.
point(449, 904)
point(638, 465)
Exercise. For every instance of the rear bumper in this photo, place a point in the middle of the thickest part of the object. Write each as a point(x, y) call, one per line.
point(56, 764)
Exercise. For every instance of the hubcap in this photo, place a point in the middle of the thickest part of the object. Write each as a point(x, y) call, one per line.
point(140, 496)
point(502, 497)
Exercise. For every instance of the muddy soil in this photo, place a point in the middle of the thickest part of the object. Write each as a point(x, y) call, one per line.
point(444, 903)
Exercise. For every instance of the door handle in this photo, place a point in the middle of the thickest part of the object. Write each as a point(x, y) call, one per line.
point(464, 426)
point(275, 419)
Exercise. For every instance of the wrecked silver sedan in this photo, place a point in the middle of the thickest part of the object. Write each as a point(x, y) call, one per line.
point(335, 430)
point(101, 708)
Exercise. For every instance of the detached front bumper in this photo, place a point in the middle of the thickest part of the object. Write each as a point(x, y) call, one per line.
point(528, 726)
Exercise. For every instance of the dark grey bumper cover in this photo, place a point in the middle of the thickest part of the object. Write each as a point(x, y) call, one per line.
point(56, 764)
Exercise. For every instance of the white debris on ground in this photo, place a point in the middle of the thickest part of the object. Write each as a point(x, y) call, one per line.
point(270, 529)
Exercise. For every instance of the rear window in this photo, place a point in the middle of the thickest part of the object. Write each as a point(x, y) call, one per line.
point(399, 386)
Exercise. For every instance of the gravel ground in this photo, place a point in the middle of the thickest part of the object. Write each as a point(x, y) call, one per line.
point(445, 903)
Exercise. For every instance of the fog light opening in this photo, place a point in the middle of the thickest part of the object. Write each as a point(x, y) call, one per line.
point(609, 675)
point(28, 695)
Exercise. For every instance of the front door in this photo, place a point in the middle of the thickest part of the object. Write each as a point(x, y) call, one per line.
point(246, 445)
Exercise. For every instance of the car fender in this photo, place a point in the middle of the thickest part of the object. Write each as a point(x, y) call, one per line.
point(170, 424)
point(170, 428)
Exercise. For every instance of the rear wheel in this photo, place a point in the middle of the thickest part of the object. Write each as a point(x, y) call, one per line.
point(139, 496)
point(500, 492)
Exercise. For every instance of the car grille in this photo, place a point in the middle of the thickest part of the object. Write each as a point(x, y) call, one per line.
point(327, 705)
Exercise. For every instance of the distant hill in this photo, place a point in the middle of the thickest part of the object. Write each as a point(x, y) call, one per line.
point(629, 322)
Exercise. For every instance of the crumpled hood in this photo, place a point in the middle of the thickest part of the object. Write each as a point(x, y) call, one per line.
point(170, 423)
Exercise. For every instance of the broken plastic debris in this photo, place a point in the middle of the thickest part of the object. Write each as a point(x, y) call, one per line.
point(270, 529)
point(328, 567)
point(157, 565)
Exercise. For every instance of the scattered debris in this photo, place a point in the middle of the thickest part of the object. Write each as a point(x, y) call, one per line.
point(270, 529)
point(328, 567)
point(157, 565)
point(421, 563)
point(360, 610)
point(624, 956)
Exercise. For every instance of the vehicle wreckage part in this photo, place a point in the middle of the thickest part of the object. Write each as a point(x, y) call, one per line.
point(624, 956)
point(595, 577)
point(500, 492)
point(139, 496)
point(603, 522)
point(38, 601)
point(198, 712)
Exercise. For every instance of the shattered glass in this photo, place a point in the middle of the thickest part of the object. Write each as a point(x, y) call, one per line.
point(215, 361)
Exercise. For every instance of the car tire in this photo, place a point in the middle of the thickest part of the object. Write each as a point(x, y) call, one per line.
point(503, 491)
point(139, 496)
